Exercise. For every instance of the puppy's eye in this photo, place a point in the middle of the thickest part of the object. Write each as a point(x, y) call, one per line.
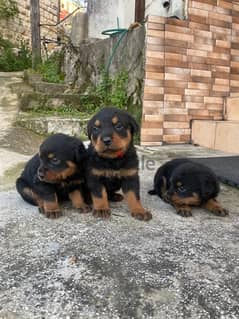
point(181, 189)
point(55, 161)
point(95, 129)
point(118, 126)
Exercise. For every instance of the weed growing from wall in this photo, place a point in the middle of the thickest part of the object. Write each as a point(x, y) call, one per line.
point(8, 9)
point(51, 69)
point(109, 91)
point(14, 58)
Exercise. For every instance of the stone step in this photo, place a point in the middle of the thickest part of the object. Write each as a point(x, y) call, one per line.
point(36, 82)
point(53, 124)
point(12, 75)
point(232, 108)
point(218, 135)
point(49, 88)
point(32, 100)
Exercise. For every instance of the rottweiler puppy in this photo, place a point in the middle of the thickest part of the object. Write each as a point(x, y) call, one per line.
point(184, 183)
point(113, 162)
point(56, 173)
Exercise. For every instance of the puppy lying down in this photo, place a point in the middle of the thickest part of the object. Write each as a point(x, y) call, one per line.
point(184, 184)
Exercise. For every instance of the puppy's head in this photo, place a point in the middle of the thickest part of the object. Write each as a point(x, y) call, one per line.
point(61, 156)
point(184, 187)
point(111, 132)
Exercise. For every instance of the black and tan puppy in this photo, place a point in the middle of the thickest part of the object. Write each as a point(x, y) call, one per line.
point(55, 174)
point(113, 162)
point(184, 183)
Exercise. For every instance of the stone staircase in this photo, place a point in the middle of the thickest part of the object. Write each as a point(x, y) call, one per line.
point(34, 93)
point(38, 92)
point(219, 135)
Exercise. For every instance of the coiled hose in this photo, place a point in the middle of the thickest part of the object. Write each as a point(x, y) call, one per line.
point(111, 33)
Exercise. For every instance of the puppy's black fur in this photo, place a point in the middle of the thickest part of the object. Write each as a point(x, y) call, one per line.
point(56, 173)
point(184, 183)
point(113, 162)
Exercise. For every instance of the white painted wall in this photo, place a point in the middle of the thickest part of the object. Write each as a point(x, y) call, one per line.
point(103, 13)
point(155, 7)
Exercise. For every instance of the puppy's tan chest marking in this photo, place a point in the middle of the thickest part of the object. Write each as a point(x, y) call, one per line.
point(70, 183)
point(114, 173)
point(193, 200)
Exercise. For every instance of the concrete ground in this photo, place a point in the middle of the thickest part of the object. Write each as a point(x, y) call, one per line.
point(81, 267)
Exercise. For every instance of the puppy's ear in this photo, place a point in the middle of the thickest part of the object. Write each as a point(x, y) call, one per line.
point(134, 126)
point(79, 152)
point(209, 187)
point(90, 127)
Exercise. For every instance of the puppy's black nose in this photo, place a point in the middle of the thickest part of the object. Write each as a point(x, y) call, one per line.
point(107, 140)
point(40, 173)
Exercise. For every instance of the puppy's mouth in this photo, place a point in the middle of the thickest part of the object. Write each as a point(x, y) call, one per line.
point(109, 149)
point(44, 179)
point(41, 177)
point(166, 197)
point(112, 152)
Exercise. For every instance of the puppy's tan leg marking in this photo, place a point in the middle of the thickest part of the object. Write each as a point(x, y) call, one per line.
point(51, 208)
point(78, 201)
point(215, 207)
point(136, 207)
point(101, 205)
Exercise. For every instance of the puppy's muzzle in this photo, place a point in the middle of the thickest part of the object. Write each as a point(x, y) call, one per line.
point(166, 197)
point(40, 173)
point(107, 140)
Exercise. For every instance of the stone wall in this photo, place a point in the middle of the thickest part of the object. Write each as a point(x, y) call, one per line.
point(191, 67)
point(84, 65)
point(18, 28)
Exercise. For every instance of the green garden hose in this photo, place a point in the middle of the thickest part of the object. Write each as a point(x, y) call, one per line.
point(111, 33)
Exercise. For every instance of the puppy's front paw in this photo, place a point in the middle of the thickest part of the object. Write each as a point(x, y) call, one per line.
point(142, 215)
point(215, 207)
point(220, 211)
point(101, 213)
point(84, 209)
point(50, 214)
point(184, 211)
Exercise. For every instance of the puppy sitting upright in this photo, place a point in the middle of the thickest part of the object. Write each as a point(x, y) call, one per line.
point(184, 183)
point(113, 162)
point(56, 173)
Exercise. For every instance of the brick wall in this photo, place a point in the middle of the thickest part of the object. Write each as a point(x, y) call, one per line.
point(18, 28)
point(191, 67)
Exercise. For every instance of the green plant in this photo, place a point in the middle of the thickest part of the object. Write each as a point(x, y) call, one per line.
point(14, 58)
point(51, 69)
point(119, 90)
point(110, 91)
point(8, 8)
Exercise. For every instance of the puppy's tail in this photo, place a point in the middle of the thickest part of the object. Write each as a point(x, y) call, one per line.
point(152, 192)
point(24, 190)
